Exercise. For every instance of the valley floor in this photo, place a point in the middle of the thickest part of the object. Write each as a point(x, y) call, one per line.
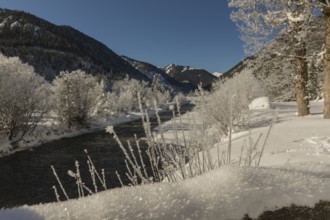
point(295, 169)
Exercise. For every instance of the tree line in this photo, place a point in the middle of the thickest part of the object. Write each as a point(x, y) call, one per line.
point(73, 98)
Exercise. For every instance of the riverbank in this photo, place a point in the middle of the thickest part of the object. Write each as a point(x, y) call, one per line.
point(49, 130)
point(27, 178)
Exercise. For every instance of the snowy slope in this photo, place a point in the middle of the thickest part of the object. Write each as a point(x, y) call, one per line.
point(295, 169)
point(226, 193)
point(190, 75)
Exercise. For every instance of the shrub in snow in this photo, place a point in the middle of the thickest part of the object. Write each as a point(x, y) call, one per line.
point(125, 92)
point(180, 99)
point(226, 104)
point(24, 98)
point(111, 105)
point(77, 94)
point(159, 93)
point(162, 97)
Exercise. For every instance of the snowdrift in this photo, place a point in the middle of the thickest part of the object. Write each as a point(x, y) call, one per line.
point(225, 193)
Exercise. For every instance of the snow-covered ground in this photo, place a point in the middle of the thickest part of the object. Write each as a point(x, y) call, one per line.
point(225, 193)
point(292, 139)
point(295, 169)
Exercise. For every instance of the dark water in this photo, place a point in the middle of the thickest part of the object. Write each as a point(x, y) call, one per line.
point(26, 177)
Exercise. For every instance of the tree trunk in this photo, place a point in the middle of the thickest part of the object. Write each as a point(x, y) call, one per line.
point(301, 79)
point(326, 60)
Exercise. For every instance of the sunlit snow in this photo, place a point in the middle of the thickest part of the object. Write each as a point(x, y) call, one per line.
point(295, 169)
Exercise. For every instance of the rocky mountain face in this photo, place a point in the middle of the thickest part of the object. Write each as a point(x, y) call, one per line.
point(187, 74)
point(153, 72)
point(50, 48)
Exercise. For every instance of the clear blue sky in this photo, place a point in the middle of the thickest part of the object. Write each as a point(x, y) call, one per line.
point(198, 33)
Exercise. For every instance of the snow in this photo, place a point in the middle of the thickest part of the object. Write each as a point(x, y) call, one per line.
point(217, 74)
point(292, 139)
point(260, 103)
point(6, 21)
point(188, 68)
point(225, 193)
point(169, 68)
point(295, 169)
point(15, 24)
point(295, 19)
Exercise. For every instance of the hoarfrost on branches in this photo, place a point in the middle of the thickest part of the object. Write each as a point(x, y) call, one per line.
point(24, 98)
point(76, 97)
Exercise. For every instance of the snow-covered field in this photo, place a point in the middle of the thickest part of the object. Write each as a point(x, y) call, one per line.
point(295, 169)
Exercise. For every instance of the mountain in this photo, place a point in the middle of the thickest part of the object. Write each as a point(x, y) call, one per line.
point(50, 48)
point(217, 74)
point(239, 67)
point(190, 75)
point(152, 72)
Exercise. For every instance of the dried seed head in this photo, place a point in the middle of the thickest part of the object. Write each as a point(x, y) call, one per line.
point(109, 129)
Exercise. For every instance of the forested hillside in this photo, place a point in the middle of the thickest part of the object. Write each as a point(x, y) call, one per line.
point(50, 48)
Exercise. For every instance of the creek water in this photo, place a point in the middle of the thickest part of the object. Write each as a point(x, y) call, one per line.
point(26, 176)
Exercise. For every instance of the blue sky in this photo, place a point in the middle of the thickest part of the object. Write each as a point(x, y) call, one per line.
point(187, 32)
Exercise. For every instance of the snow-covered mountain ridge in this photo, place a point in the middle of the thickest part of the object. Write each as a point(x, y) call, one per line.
point(152, 72)
point(217, 74)
point(191, 75)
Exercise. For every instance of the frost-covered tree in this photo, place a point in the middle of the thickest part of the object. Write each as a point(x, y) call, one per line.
point(127, 94)
point(261, 22)
point(275, 72)
point(159, 93)
point(24, 98)
point(325, 5)
point(313, 78)
point(226, 105)
point(77, 97)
